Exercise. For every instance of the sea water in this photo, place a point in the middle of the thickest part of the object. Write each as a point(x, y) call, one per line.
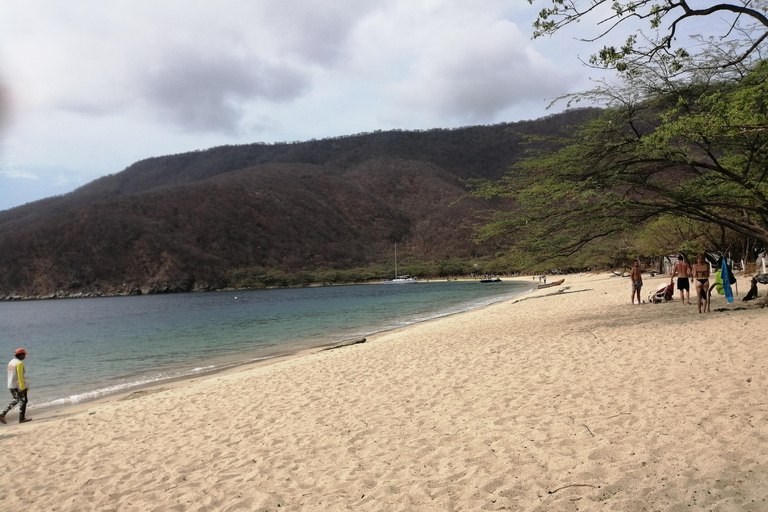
point(82, 349)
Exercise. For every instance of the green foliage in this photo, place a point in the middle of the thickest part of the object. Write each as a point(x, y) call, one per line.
point(662, 22)
point(676, 235)
point(682, 144)
point(697, 151)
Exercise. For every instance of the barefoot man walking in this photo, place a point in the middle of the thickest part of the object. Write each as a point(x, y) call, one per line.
point(637, 282)
point(683, 271)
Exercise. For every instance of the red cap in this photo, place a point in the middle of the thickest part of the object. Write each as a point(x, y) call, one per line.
point(20, 351)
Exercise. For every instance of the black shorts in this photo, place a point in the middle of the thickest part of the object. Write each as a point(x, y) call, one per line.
point(683, 284)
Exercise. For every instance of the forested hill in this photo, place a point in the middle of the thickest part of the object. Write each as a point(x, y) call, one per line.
point(188, 221)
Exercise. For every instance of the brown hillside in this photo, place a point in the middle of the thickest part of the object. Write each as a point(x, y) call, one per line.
point(185, 222)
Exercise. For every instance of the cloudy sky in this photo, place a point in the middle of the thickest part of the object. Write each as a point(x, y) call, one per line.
point(90, 87)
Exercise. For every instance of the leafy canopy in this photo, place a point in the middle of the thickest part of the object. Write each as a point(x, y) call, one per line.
point(697, 150)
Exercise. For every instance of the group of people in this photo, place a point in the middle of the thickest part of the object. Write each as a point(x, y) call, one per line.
point(699, 272)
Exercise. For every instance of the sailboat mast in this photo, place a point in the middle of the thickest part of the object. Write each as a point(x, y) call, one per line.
point(395, 260)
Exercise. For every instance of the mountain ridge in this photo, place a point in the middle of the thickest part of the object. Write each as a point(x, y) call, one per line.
point(185, 222)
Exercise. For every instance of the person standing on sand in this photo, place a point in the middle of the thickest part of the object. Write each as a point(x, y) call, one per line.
point(637, 282)
point(683, 271)
point(18, 386)
point(701, 274)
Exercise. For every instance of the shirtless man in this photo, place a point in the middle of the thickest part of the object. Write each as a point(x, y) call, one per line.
point(683, 271)
point(637, 282)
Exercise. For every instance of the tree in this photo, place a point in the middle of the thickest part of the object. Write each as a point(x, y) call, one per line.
point(665, 18)
point(697, 150)
point(684, 136)
point(677, 235)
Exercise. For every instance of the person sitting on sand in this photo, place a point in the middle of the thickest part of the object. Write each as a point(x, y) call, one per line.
point(683, 271)
point(701, 274)
point(637, 282)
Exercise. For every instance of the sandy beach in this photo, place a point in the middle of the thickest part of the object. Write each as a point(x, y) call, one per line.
point(556, 401)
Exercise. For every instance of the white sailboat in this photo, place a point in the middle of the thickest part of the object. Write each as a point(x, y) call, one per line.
point(404, 279)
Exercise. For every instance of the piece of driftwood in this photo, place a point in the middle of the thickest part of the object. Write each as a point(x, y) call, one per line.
point(346, 344)
point(573, 485)
point(561, 291)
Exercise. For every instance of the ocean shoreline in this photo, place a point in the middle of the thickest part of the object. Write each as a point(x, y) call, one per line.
point(61, 295)
point(49, 410)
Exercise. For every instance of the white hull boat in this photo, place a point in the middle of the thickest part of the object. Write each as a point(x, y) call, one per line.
point(399, 279)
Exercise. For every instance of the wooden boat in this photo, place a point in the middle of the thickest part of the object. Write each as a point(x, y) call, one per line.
point(549, 285)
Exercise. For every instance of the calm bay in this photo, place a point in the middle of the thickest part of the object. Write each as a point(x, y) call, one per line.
point(84, 349)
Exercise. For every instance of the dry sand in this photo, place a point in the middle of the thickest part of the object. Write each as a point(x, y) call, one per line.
point(564, 402)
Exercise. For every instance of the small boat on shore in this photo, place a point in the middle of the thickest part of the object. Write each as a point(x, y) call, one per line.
point(490, 279)
point(549, 285)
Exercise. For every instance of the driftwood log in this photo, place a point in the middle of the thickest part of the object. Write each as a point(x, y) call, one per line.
point(346, 344)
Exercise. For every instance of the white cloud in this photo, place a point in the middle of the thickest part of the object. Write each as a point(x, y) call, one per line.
point(472, 75)
point(200, 66)
point(445, 64)
point(207, 92)
point(94, 86)
point(317, 32)
point(17, 174)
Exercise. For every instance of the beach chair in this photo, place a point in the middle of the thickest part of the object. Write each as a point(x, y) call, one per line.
point(664, 293)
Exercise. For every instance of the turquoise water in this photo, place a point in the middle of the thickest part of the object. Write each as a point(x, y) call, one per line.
point(82, 349)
